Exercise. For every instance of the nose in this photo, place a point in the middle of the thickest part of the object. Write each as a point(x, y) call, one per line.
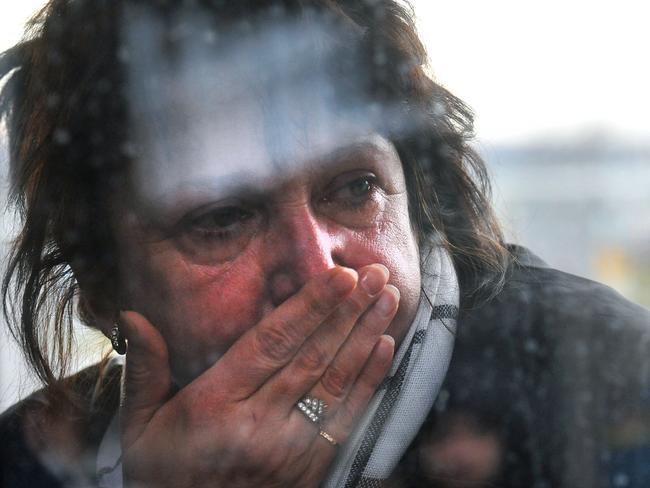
point(302, 247)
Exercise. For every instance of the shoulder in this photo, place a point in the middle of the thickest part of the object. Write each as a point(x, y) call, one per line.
point(559, 330)
point(52, 442)
point(556, 371)
point(539, 301)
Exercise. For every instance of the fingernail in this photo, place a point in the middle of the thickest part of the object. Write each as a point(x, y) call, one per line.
point(386, 350)
point(343, 280)
point(387, 302)
point(388, 345)
point(374, 279)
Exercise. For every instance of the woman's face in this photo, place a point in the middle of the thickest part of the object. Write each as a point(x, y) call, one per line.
point(208, 253)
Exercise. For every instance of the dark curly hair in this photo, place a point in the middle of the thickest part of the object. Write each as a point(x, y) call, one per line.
point(66, 116)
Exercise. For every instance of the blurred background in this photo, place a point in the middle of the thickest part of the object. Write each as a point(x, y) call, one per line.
point(559, 89)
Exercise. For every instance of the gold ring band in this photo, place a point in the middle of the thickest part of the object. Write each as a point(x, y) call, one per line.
point(328, 437)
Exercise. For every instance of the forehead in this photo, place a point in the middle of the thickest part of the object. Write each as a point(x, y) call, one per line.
point(243, 109)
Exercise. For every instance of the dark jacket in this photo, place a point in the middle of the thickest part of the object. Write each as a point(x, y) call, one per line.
point(550, 382)
point(549, 385)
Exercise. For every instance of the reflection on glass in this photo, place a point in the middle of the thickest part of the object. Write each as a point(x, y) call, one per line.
point(280, 223)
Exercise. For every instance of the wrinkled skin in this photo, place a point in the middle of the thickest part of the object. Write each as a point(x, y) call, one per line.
point(246, 303)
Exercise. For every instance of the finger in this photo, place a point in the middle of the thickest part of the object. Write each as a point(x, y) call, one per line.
point(147, 378)
point(341, 423)
point(272, 343)
point(316, 354)
point(354, 360)
point(336, 381)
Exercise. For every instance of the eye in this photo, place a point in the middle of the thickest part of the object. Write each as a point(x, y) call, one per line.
point(218, 234)
point(219, 222)
point(352, 192)
point(354, 200)
point(360, 187)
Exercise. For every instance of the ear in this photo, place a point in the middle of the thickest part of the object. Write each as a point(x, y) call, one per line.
point(97, 305)
point(97, 312)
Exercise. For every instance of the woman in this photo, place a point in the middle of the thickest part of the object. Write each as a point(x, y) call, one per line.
point(278, 212)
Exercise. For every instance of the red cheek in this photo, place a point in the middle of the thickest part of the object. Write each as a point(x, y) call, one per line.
point(200, 310)
point(363, 248)
point(222, 309)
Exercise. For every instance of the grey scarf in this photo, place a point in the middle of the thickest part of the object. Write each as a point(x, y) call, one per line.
point(404, 399)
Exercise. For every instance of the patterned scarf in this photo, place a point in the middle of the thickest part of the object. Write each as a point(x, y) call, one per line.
point(404, 399)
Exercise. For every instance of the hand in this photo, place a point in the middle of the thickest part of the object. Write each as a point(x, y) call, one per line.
point(236, 424)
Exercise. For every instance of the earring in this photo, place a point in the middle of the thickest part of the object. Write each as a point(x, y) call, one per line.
point(117, 340)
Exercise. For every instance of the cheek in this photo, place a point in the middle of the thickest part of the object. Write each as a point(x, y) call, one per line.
point(392, 243)
point(404, 264)
point(403, 260)
point(200, 310)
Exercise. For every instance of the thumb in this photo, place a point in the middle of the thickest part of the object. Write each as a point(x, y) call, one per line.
point(147, 378)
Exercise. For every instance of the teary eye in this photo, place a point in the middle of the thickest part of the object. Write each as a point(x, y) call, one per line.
point(216, 234)
point(359, 190)
point(361, 186)
point(353, 199)
point(219, 220)
point(354, 191)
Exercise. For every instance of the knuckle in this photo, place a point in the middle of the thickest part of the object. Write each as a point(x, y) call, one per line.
point(318, 305)
point(273, 344)
point(311, 357)
point(345, 415)
point(356, 304)
point(335, 382)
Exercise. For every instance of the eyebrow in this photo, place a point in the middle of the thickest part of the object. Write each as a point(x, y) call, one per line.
point(189, 193)
point(364, 148)
point(253, 185)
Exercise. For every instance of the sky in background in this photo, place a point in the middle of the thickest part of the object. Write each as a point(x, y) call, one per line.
point(531, 68)
point(13, 14)
point(526, 68)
